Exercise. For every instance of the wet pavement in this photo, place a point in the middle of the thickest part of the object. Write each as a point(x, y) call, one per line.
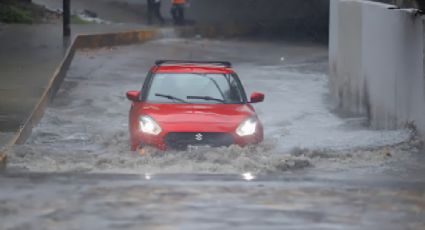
point(65, 201)
point(28, 59)
point(29, 55)
point(315, 170)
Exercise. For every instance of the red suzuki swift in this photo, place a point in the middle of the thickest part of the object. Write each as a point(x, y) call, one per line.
point(192, 103)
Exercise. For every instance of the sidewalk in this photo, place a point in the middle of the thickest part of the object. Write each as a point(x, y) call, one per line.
point(28, 56)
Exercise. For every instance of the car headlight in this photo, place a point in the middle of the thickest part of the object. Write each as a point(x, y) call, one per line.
point(148, 125)
point(247, 127)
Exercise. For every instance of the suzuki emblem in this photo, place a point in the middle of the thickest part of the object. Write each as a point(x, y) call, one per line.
point(198, 137)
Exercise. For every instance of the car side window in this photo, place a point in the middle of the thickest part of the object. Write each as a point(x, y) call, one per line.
point(146, 85)
point(234, 92)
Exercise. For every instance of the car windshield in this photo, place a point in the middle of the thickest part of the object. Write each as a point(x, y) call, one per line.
point(196, 88)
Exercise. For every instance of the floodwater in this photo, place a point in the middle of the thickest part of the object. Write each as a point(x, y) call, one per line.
point(85, 129)
point(314, 169)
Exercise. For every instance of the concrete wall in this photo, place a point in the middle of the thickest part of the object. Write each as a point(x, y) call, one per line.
point(376, 56)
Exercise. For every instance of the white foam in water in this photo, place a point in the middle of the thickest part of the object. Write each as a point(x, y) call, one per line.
point(85, 129)
point(296, 114)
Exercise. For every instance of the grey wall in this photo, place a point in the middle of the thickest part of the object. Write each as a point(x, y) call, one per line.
point(291, 19)
point(376, 57)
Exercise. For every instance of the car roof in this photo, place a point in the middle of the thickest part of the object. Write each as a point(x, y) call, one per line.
point(191, 69)
point(185, 66)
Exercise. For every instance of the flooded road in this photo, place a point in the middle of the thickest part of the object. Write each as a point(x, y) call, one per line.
point(314, 169)
point(81, 201)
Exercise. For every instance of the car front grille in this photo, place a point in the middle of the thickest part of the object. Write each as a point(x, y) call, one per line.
point(181, 141)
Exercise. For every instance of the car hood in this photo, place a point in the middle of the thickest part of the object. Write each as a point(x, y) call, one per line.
point(190, 113)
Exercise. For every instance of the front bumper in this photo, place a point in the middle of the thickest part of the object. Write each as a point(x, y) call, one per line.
point(181, 140)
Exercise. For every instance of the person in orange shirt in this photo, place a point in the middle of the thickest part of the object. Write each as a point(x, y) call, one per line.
point(177, 11)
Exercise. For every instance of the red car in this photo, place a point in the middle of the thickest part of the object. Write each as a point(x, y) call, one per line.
point(192, 103)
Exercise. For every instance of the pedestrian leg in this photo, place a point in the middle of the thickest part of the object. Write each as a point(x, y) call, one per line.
point(158, 13)
point(182, 18)
point(180, 14)
point(174, 14)
point(150, 6)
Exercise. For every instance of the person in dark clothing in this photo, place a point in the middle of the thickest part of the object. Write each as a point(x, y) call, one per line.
point(154, 10)
point(177, 11)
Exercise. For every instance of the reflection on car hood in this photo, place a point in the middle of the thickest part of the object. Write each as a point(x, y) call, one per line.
point(197, 113)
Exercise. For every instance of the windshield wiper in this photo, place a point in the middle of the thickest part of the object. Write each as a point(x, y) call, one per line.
point(171, 97)
point(207, 98)
point(215, 83)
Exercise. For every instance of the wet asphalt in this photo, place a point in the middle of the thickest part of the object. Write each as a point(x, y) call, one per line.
point(76, 201)
point(315, 170)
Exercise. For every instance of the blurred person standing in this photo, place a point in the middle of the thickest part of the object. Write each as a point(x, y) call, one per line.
point(154, 10)
point(177, 11)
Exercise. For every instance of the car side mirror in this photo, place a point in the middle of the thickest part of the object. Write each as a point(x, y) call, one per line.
point(133, 95)
point(257, 97)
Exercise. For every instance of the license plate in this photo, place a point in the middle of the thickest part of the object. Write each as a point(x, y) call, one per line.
point(198, 147)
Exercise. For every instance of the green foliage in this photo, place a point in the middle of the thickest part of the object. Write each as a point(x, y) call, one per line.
point(13, 13)
point(75, 19)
